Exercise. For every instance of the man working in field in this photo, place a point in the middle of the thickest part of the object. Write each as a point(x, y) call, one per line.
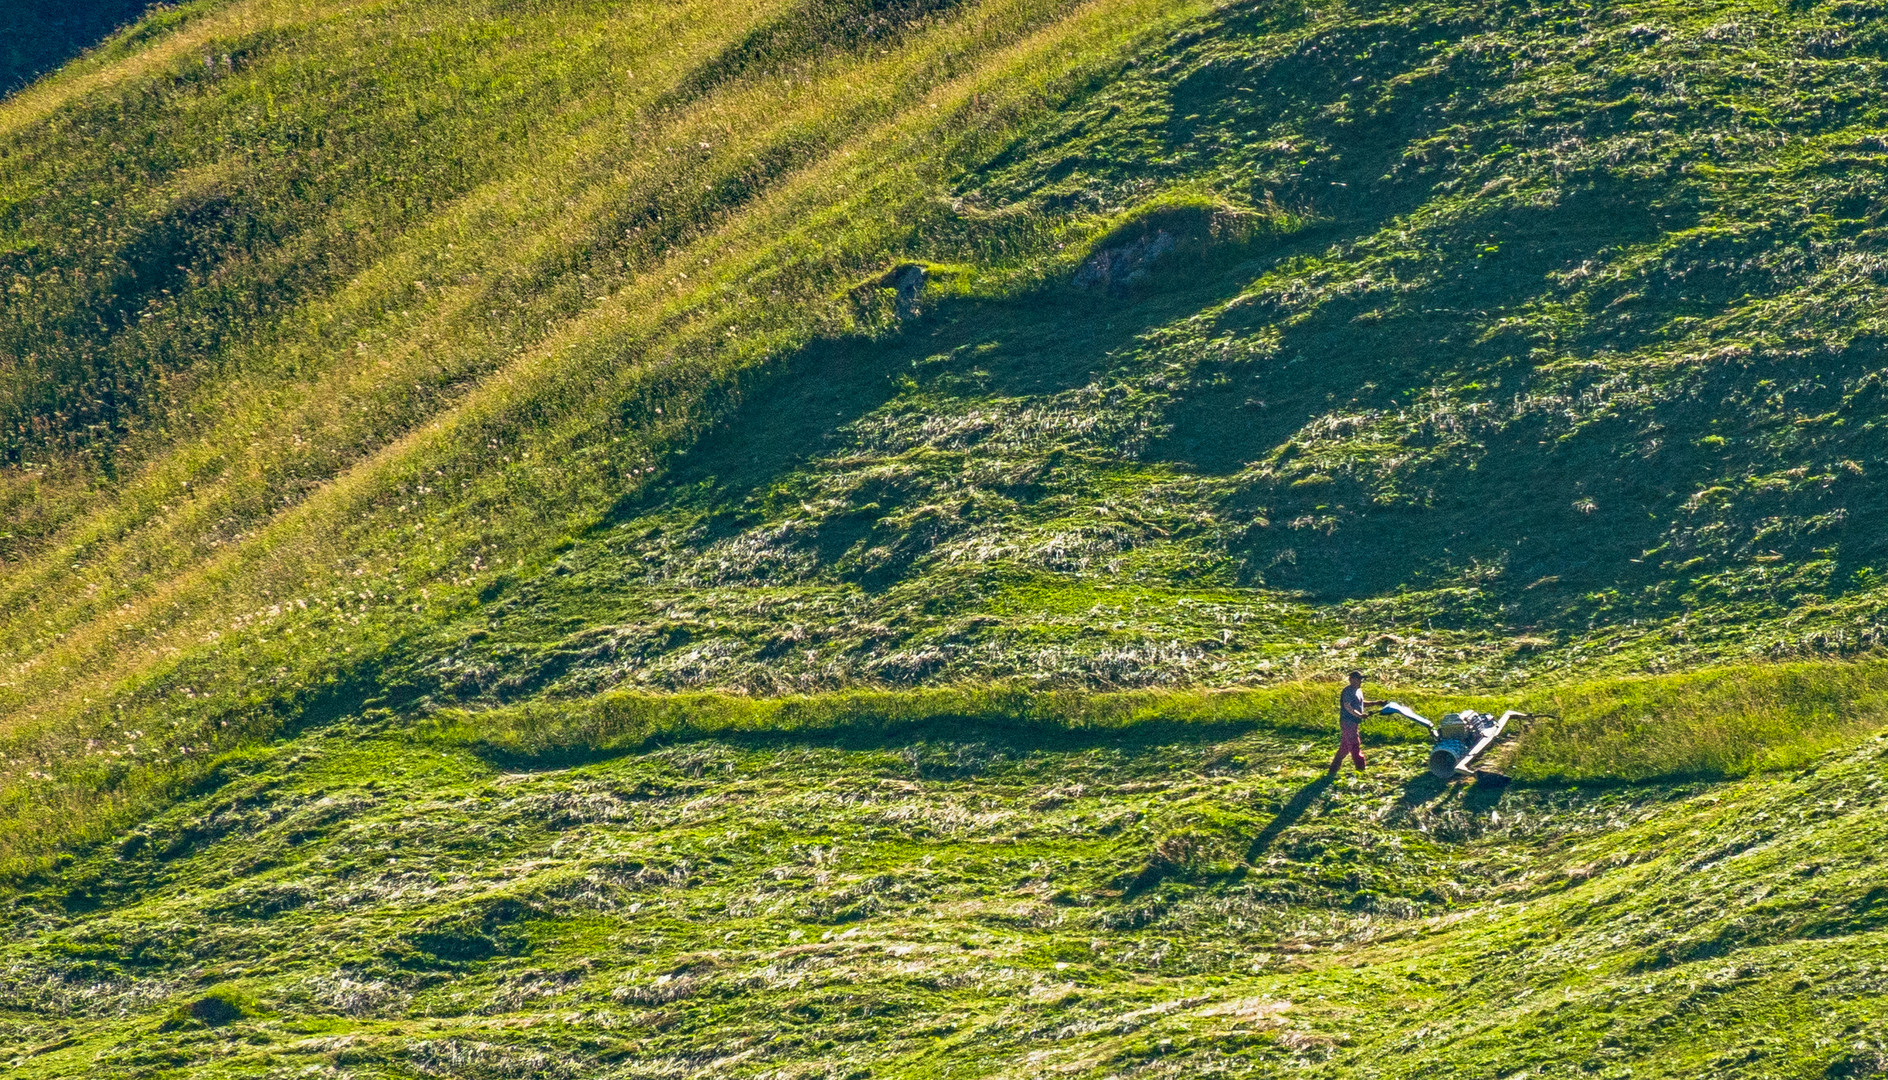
point(1351, 708)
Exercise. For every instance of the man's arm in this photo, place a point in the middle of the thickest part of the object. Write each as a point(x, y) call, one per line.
point(1375, 704)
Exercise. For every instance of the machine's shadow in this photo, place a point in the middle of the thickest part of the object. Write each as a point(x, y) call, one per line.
point(1420, 790)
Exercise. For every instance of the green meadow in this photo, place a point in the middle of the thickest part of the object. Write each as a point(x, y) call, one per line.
point(815, 538)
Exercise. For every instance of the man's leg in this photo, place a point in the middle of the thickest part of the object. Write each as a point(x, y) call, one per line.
point(1354, 742)
point(1337, 759)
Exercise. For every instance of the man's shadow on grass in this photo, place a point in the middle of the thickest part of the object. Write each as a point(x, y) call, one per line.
point(1288, 815)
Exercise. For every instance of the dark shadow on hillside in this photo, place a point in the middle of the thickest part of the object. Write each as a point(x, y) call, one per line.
point(1063, 337)
point(1036, 344)
point(1567, 519)
point(1550, 517)
point(1518, 498)
point(1556, 521)
point(756, 464)
point(1556, 525)
point(1351, 354)
point(1288, 815)
point(1353, 175)
point(37, 36)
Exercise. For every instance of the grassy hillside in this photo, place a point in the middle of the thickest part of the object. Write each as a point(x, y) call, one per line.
point(1188, 898)
point(460, 354)
point(410, 408)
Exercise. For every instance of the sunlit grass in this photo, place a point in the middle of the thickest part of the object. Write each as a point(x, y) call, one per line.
point(1715, 723)
point(393, 520)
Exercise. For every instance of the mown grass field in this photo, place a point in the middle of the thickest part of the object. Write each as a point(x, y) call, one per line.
point(1187, 897)
point(467, 467)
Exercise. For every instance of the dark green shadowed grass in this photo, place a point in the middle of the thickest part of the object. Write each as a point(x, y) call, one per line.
point(36, 36)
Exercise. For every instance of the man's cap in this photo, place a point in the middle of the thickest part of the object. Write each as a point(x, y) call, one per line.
point(1353, 674)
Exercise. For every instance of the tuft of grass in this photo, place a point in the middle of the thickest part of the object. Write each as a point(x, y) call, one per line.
point(221, 1005)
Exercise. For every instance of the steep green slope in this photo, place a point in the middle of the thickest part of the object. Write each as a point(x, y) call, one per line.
point(957, 900)
point(465, 353)
point(395, 395)
point(445, 400)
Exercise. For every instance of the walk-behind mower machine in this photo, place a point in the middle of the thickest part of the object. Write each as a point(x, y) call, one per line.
point(1461, 738)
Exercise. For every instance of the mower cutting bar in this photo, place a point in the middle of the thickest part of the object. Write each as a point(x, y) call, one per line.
point(1460, 738)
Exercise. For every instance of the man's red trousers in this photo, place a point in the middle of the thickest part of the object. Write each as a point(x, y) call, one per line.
point(1350, 742)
